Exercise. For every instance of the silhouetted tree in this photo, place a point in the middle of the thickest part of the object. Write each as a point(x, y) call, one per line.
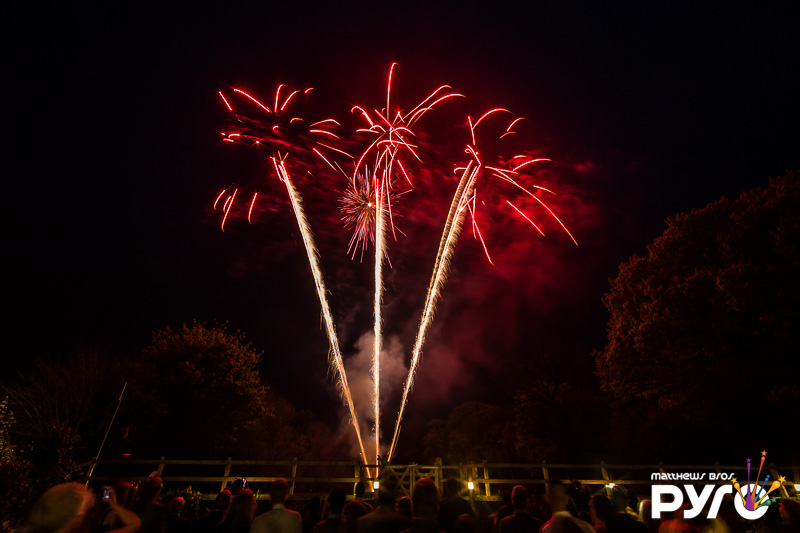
point(473, 431)
point(704, 326)
point(197, 393)
point(556, 409)
point(77, 391)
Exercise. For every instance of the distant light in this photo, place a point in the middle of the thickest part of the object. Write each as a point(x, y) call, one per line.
point(471, 485)
point(376, 485)
point(797, 488)
point(611, 485)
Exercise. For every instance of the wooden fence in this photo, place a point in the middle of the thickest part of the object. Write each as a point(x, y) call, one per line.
point(484, 481)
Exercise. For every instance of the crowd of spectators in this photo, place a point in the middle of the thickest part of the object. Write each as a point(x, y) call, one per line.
point(562, 508)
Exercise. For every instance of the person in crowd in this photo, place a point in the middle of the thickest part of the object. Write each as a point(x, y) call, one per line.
point(506, 509)
point(580, 494)
point(350, 515)
point(453, 505)
point(360, 489)
point(107, 519)
point(520, 520)
point(538, 507)
point(385, 518)
point(313, 517)
point(124, 493)
point(405, 508)
point(237, 486)
point(646, 516)
point(425, 500)
point(147, 508)
point(335, 504)
point(679, 525)
point(208, 522)
point(601, 510)
point(465, 524)
point(174, 522)
point(610, 520)
point(562, 521)
point(279, 519)
point(790, 515)
point(64, 509)
point(240, 513)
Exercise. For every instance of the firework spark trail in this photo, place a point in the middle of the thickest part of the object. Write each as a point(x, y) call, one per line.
point(452, 230)
point(308, 241)
point(393, 135)
point(258, 135)
point(376, 360)
point(463, 201)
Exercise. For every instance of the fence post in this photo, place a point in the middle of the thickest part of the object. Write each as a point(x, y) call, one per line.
point(486, 479)
point(438, 464)
point(226, 474)
point(358, 475)
point(294, 475)
point(605, 477)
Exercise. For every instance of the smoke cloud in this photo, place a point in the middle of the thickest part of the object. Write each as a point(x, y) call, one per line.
point(359, 376)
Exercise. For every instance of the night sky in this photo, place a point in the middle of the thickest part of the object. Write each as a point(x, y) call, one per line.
point(646, 110)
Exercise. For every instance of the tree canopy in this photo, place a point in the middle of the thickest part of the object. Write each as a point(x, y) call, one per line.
point(198, 391)
point(706, 321)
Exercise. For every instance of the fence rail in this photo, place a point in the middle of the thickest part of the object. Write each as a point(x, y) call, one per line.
point(310, 478)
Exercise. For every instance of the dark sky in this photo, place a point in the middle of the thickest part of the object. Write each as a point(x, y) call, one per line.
point(647, 109)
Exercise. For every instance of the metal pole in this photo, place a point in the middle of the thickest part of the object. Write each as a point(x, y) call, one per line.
point(97, 457)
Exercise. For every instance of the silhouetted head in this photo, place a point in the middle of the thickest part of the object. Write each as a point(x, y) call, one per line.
point(223, 501)
point(242, 509)
point(519, 497)
point(350, 514)
point(453, 487)
point(619, 498)
point(790, 512)
point(314, 507)
point(278, 491)
point(387, 490)
point(62, 508)
point(557, 495)
point(176, 505)
point(465, 524)
point(336, 500)
point(237, 485)
point(150, 489)
point(425, 499)
point(359, 493)
point(602, 507)
point(123, 492)
point(404, 507)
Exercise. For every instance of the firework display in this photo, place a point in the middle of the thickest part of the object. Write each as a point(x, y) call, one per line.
point(379, 171)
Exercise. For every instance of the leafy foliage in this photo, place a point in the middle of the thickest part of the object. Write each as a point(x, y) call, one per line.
point(76, 392)
point(197, 392)
point(6, 421)
point(472, 432)
point(192, 498)
point(711, 310)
